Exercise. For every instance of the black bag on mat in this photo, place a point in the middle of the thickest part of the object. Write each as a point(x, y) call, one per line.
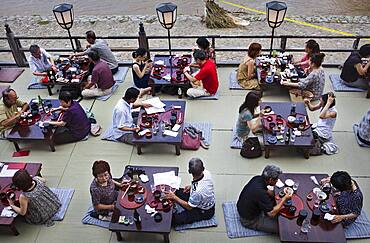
point(251, 148)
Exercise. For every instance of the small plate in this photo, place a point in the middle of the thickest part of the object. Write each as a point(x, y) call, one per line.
point(139, 198)
point(316, 190)
point(289, 182)
point(271, 139)
point(291, 119)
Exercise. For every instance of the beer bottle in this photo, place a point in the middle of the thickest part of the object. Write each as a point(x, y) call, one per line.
point(137, 219)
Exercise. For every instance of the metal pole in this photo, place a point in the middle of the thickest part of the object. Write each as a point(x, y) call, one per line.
point(70, 38)
point(272, 40)
point(169, 48)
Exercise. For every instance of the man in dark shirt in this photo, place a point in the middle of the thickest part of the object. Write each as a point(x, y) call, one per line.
point(256, 204)
point(102, 81)
point(353, 72)
point(73, 125)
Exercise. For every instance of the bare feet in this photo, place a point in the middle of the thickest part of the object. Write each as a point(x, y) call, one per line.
point(145, 91)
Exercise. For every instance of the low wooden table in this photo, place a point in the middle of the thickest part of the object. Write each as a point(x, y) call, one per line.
point(159, 138)
point(148, 225)
point(324, 231)
point(155, 82)
point(303, 142)
point(32, 133)
point(33, 169)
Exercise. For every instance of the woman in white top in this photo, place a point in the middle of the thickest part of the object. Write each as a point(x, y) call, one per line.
point(323, 129)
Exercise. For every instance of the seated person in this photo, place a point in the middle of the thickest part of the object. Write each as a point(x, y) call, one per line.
point(204, 45)
point(38, 204)
point(256, 204)
point(74, 125)
point(323, 129)
point(207, 75)
point(9, 113)
point(198, 199)
point(123, 122)
point(312, 86)
point(247, 120)
point(348, 198)
point(102, 48)
point(141, 68)
point(101, 81)
point(363, 132)
point(303, 66)
point(40, 61)
point(353, 72)
point(246, 73)
point(103, 190)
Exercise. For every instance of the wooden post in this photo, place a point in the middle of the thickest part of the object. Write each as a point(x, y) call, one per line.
point(78, 45)
point(283, 42)
point(16, 47)
point(143, 41)
point(355, 43)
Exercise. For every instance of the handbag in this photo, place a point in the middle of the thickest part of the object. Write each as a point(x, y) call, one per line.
point(189, 142)
point(251, 148)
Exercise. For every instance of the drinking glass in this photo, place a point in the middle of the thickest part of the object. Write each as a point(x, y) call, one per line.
point(317, 203)
point(163, 188)
point(305, 226)
point(152, 187)
point(295, 185)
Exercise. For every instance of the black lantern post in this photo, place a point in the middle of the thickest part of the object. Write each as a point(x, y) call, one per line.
point(167, 14)
point(64, 15)
point(275, 16)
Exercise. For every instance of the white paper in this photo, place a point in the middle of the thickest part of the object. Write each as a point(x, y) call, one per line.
point(8, 212)
point(279, 183)
point(170, 133)
point(271, 188)
point(314, 180)
point(155, 102)
point(176, 128)
point(167, 178)
point(7, 173)
point(153, 110)
point(329, 216)
point(143, 132)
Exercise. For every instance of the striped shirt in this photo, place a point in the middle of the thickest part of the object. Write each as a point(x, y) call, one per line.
point(202, 192)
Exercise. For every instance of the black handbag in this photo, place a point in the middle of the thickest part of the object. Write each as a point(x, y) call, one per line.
point(251, 148)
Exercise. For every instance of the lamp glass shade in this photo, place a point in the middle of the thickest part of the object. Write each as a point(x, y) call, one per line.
point(275, 13)
point(64, 15)
point(167, 14)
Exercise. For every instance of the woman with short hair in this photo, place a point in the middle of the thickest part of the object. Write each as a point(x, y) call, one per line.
point(102, 190)
point(312, 86)
point(246, 73)
point(37, 203)
point(348, 199)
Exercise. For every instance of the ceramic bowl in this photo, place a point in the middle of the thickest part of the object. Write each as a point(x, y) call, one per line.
point(291, 119)
point(289, 182)
point(321, 196)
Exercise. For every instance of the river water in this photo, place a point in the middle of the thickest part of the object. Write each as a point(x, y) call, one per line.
point(188, 7)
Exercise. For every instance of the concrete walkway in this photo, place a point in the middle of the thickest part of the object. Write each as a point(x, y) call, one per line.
point(70, 165)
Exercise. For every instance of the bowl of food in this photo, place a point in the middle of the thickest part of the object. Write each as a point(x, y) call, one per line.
point(289, 182)
point(288, 190)
point(267, 109)
point(321, 196)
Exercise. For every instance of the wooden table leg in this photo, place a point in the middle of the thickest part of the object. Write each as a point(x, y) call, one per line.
point(119, 236)
point(14, 229)
point(16, 146)
point(306, 153)
point(153, 89)
point(368, 93)
point(139, 149)
point(177, 149)
point(51, 145)
point(267, 152)
point(166, 238)
point(49, 90)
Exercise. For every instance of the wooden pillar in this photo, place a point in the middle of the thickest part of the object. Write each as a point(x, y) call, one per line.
point(16, 47)
point(143, 40)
